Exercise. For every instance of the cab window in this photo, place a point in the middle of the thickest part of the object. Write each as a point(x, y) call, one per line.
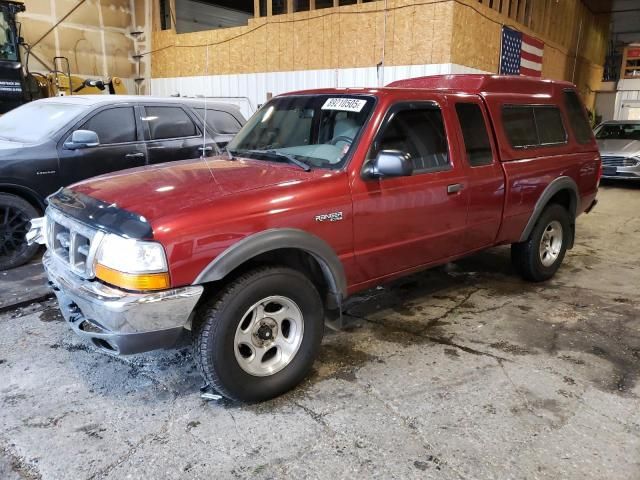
point(474, 134)
point(417, 130)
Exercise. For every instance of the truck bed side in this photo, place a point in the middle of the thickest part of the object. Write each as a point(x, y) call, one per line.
point(531, 171)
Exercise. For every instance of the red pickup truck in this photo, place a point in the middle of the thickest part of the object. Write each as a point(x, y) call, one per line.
point(322, 194)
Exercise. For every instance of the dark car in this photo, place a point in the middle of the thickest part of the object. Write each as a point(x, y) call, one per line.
point(54, 142)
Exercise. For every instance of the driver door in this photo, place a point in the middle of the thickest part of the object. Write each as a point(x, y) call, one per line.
point(120, 147)
point(406, 222)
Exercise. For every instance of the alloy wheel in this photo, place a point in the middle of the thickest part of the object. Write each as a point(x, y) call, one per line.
point(269, 336)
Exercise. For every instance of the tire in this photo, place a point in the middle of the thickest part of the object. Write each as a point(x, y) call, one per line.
point(15, 214)
point(232, 338)
point(538, 258)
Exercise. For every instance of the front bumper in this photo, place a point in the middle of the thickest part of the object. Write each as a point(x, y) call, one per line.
point(621, 173)
point(121, 322)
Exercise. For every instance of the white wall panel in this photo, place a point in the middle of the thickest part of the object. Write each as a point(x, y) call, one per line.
point(253, 87)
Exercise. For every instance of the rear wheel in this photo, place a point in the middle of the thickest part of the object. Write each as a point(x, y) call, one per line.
point(259, 336)
point(15, 215)
point(539, 257)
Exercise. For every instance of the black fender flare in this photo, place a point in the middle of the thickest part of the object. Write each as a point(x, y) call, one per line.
point(275, 239)
point(557, 185)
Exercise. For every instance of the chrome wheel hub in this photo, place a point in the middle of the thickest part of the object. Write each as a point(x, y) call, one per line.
point(551, 243)
point(268, 336)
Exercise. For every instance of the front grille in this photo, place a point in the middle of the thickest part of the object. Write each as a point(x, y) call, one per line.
point(72, 242)
point(614, 161)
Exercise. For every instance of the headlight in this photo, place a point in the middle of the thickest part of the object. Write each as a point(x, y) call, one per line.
point(132, 264)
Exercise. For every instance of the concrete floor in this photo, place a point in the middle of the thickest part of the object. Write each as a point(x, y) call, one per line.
point(461, 372)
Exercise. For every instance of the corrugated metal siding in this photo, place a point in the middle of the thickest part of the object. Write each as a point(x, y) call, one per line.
point(628, 95)
point(255, 86)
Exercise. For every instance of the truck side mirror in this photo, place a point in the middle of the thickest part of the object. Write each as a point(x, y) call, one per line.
point(390, 163)
point(82, 139)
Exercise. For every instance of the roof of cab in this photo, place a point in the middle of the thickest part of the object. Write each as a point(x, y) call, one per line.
point(478, 83)
point(462, 83)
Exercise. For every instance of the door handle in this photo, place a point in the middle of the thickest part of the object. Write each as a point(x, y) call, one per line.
point(134, 155)
point(205, 149)
point(455, 188)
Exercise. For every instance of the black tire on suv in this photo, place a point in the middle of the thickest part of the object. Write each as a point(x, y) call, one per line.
point(258, 337)
point(539, 257)
point(15, 215)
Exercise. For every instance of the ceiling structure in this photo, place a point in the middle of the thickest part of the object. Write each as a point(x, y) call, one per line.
point(242, 5)
point(625, 18)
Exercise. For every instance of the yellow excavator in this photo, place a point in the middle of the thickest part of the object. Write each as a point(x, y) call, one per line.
point(18, 85)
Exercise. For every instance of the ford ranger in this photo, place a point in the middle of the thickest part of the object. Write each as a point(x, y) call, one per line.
point(321, 194)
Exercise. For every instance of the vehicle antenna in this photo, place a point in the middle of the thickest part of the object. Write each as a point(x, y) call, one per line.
point(204, 148)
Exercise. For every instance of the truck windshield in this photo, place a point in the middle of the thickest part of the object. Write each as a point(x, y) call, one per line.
point(8, 47)
point(319, 130)
point(619, 131)
point(35, 121)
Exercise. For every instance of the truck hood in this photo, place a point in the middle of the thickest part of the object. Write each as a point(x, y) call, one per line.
point(154, 191)
point(619, 148)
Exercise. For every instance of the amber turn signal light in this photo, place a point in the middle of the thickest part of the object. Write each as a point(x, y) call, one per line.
point(131, 281)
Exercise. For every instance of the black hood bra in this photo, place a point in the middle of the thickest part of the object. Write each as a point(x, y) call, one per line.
point(98, 214)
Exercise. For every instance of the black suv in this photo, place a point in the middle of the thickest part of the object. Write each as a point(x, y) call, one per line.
point(54, 142)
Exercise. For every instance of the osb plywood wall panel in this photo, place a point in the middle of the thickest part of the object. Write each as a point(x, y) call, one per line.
point(95, 37)
point(477, 35)
point(418, 32)
point(345, 37)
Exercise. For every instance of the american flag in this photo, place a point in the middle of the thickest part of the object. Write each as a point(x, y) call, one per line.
point(520, 54)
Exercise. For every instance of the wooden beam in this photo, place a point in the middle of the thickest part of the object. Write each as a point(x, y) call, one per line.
point(289, 6)
point(336, 3)
point(256, 8)
point(312, 4)
point(269, 8)
point(504, 7)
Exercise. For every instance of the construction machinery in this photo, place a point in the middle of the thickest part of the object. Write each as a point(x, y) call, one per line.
point(18, 85)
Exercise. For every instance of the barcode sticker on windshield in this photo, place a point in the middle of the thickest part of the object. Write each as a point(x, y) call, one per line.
point(344, 104)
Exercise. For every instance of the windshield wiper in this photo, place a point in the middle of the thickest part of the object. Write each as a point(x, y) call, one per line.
point(229, 153)
point(290, 158)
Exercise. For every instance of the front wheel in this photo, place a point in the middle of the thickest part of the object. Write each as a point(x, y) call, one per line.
point(259, 336)
point(15, 215)
point(539, 257)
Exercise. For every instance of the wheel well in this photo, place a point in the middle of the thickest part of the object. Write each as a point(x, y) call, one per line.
point(25, 195)
point(294, 258)
point(566, 198)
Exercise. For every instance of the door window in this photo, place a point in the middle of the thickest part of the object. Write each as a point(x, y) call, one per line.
point(419, 132)
point(169, 122)
point(474, 133)
point(115, 125)
point(219, 121)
